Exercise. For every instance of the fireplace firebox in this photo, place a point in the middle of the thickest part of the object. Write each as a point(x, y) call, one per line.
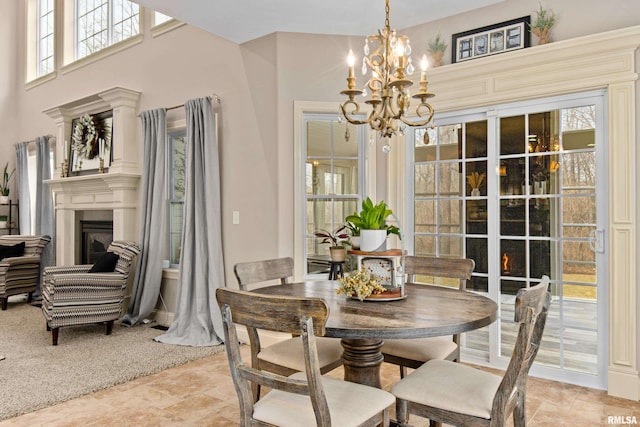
point(96, 238)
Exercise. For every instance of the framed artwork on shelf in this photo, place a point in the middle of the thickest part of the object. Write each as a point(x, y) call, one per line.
point(91, 139)
point(491, 40)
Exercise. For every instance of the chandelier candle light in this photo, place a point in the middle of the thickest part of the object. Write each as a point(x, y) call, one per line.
point(388, 56)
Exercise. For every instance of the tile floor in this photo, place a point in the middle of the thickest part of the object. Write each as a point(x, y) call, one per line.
point(201, 393)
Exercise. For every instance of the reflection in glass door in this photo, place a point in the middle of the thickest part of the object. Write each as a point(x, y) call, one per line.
point(333, 181)
point(516, 191)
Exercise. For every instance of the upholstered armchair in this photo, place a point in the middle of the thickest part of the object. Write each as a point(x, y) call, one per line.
point(20, 265)
point(84, 294)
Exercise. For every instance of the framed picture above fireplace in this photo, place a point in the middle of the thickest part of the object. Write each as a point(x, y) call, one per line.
point(90, 140)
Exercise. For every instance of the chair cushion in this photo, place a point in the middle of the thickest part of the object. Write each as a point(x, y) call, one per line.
point(420, 349)
point(289, 353)
point(12, 250)
point(106, 263)
point(350, 404)
point(450, 386)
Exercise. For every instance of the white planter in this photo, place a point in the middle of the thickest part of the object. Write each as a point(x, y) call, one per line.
point(355, 242)
point(4, 200)
point(3, 224)
point(373, 240)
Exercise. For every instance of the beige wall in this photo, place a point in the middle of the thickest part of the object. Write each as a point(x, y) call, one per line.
point(258, 82)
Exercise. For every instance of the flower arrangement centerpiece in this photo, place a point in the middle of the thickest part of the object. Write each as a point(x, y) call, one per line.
point(360, 284)
point(87, 136)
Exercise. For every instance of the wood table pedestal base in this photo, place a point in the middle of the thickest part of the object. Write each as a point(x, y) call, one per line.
point(362, 359)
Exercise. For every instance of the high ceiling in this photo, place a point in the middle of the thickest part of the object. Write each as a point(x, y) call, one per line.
point(244, 20)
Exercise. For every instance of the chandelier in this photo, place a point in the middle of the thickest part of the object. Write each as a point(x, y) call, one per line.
point(387, 56)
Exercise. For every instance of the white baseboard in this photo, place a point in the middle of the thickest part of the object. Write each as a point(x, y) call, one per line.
point(624, 384)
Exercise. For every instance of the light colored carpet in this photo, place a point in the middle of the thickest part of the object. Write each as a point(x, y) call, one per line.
point(36, 374)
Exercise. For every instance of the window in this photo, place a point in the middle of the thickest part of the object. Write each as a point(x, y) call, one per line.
point(45, 37)
point(101, 23)
point(333, 181)
point(160, 18)
point(175, 193)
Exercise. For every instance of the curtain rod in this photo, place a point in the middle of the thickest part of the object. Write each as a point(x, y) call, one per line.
point(216, 97)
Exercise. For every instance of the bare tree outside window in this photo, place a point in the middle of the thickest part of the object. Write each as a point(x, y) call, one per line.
point(45, 36)
point(101, 23)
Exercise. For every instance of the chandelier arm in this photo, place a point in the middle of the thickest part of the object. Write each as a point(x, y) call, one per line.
point(349, 116)
point(423, 122)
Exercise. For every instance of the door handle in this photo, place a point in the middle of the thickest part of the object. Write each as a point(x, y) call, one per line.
point(596, 240)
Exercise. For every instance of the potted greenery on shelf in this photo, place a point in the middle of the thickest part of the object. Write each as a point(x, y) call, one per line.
point(4, 185)
point(354, 231)
point(545, 19)
point(335, 239)
point(3, 221)
point(373, 225)
point(436, 48)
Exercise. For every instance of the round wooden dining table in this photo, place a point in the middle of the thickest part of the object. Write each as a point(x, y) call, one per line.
point(427, 311)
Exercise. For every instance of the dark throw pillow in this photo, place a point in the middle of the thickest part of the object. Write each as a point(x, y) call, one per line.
point(105, 264)
point(11, 251)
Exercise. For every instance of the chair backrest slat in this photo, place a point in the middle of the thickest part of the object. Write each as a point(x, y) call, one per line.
point(456, 268)
point(531, 308)
point(304, 316)
point(249, 273)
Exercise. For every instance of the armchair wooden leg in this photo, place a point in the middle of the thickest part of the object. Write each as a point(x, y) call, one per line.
point(4, 301)
point(48, 328)
point(54, 335)
point(29, 297)
point(109, 327)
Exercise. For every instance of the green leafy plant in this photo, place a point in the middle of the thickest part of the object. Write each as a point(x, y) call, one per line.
point(354, 230)
point(437, 45)
point(373, 217)
point(336, 239)
point(3, 218)
point(545, 18)
point(6, 180)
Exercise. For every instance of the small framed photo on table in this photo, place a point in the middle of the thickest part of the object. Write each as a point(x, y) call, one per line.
point(490, 40)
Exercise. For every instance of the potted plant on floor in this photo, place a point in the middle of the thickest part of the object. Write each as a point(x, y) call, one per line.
point(336, 239)
point(373, 226)
point(4, 185)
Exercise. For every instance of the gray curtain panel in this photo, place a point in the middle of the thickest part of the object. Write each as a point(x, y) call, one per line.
point(45, 217)
point(146, 285)
point(197, 319)
point(22, 186)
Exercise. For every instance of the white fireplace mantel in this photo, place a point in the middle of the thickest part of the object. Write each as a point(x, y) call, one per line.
point(115, 191)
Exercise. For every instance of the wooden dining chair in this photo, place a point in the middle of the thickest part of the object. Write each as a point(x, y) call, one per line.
point(285, 357)
point(457, 394)
point(305, 398)
point(413, 353)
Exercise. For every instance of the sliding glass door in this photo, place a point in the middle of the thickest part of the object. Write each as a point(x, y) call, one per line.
point(516, 188)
